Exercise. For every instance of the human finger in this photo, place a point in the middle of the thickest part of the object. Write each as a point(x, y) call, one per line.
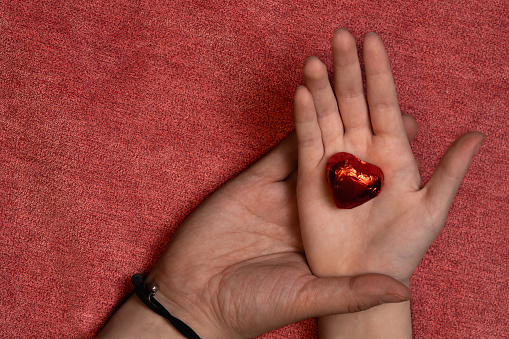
point(309, 137)
point(410, 126)
point(317, 82)
point(280, 162)
point(348, 84)
point(452, 168)
point(411, 131)
point(338, 295)
point(381, 91)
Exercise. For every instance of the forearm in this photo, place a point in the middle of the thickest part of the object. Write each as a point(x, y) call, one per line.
point(384, 321)
point(135, 320)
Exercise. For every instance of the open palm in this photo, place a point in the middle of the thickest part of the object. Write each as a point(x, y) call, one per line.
point(390, 233)
point(236, 267)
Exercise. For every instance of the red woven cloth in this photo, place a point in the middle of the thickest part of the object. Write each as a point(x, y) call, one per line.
point(117, 118)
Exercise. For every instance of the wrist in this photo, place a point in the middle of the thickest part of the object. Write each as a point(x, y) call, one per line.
point(135, 320)
point(187, 307)
point(379, 322)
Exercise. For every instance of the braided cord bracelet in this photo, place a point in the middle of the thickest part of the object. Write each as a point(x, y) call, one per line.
point(148, 299)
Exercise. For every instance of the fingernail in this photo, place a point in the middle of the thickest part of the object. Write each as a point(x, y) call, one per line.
point(390, 299)
point(480, 144)
point(477, 148)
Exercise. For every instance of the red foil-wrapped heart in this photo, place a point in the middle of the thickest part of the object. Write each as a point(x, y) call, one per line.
point(352, 181)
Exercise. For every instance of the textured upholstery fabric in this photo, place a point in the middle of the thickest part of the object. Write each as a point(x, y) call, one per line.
point(117, 118)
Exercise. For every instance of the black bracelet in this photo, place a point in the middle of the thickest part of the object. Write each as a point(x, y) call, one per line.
point(148, 298)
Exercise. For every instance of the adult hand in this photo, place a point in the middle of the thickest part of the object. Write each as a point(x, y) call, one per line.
point(236, 267)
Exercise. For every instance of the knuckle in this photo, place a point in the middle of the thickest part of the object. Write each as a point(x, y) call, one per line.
point(326, 113)
point(389, 105)
point(349, 93)
point(309, 142)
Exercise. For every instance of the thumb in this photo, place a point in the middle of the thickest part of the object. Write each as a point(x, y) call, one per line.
point(449, 174)
point(278, 163)
point(336, 295)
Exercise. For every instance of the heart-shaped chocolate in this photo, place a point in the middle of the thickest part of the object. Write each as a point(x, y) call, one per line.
point(352, 181)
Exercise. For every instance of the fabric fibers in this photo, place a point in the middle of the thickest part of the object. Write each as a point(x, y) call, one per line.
point(117, 118)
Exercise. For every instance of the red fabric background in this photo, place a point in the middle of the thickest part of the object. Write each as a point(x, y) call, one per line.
point(119, 117)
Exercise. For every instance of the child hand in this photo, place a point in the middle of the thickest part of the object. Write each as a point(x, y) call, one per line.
point(390, 233)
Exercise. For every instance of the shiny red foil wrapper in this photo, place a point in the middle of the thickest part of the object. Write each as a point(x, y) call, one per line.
point(352, 182)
